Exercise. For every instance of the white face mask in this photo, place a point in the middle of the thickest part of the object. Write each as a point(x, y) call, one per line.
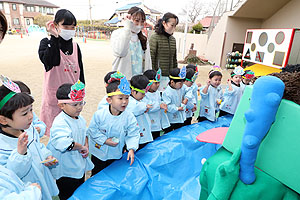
point(67, 34)
point(136, 29)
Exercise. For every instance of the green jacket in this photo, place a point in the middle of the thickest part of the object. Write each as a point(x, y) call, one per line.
point(163, 53)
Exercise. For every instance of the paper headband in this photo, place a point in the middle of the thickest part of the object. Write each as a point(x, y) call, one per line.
point(13, 87)
point(248, 75)
point(157, 76)
point(238, 71)
point(181, 75)
point(215, 68)
point(116, 76)
point(123, 87)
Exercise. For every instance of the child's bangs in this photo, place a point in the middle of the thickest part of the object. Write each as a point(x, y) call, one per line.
point(69, 19)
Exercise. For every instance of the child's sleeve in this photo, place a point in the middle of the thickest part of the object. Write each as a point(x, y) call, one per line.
point(120, 40)
point(172, 108)
point(228, 92)
point(138, 108)
point(19, 164)
point(203, 96)
point(61, 136)
point(30, 192)
point(38, 123)
point(155, 104)
point(133, 133)
point(94, 130)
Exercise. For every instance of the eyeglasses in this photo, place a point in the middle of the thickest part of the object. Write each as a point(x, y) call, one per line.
point(82, 103)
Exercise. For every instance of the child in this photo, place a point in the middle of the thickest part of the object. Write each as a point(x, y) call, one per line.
point(21, 150)
point(246, 79)
point(62, 61)
point(157, 114)
point(112, 127)
point(108, 79)
point(130, 46)
point(189, 87)
point(68, 140)
point(12, 188)
point(233, 93)
point(138, 85)
point(211, 96)
point(36, 122)
point(173, 97)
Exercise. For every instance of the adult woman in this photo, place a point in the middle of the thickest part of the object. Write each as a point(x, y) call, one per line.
point(62, 61)
point(130, 46)
point(163, 47)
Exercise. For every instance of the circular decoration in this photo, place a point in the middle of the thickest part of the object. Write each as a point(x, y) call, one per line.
point(263, 39)
point(271, 47)
point(203, 161)
point(279, 37)
point(253, 47)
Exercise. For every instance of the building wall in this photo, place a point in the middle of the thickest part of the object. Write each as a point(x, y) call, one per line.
point(199, 41)
point(15, 14)
point(287, 17)
point(235, 33)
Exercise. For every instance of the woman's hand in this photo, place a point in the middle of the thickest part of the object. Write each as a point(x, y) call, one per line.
point(52, 29)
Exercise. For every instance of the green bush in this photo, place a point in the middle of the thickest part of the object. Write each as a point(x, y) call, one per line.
point(197, 28)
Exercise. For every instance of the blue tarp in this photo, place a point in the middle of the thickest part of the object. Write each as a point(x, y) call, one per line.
point(167, 168)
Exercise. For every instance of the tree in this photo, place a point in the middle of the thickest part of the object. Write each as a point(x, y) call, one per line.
point(41, 20)
point(194, 9)
point(197, 28)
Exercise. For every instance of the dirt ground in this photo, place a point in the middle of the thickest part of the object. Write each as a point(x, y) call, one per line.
point(20, 61)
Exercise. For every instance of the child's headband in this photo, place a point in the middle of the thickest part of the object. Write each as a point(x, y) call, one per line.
point(238, 71)
point(157, 76)
point(181, 75)
point(76, 94)
point(248, 75)
point(142, 91)
point(13, 87)
point(116, 76)
point(215, 68)
point(123, 87)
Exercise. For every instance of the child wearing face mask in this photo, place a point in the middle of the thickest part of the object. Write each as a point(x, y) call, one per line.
point(163, 47)
point(233, 93)
point(130, 46)
point(211, 95)
point(62, 61)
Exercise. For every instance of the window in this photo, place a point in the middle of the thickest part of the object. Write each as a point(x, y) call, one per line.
point(16, 21)
point(28, 22)
point(14, 6)
point(1, 6)
point(30, 9)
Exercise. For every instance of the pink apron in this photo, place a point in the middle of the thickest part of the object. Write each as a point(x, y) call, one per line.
point(66, 72)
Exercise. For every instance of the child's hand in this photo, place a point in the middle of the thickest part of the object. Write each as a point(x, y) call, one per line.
point(194, 108)
point(131, 156)
point(164, 106)
point(54, 162)
point(199, 84)
point(36, 185)
point(109, 142)
point(84, 151)
point(208, 82)
point(38, 129)
point(185, 101)
point(22, 143)
point(180, 108)
point(229, 81)
point(52, 29)
point(149, 106)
